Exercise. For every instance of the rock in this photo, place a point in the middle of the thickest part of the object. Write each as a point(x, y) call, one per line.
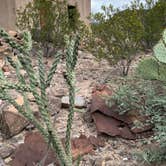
point(108, 120)
point(79, 102)
point(12, 33)
point(34, 149)
point(30, 97)
point(139, 123)
point(32, 152)
point(111, 126)
point(81, 146)
point(2, 62)
point(2, 162)
point(6, 150)
point(84, 88)
point(12, 122)
point(54, 105)
point(5, 68)
point(99, 162)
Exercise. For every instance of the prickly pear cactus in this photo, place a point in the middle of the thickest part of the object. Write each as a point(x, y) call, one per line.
point(160, 49)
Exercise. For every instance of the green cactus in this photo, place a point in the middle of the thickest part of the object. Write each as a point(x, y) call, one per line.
point(44, 126)
point(160, 49)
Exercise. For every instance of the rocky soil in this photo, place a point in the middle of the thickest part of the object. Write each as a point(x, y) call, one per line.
point(89, 73)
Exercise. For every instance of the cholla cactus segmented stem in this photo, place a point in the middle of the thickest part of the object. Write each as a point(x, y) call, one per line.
point(37, 86)
point(71, 60)
point(10, 41)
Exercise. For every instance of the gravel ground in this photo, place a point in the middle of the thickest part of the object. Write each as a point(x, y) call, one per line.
point(89, 73)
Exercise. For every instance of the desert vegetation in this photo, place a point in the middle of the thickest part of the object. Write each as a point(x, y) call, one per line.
point(77, 94)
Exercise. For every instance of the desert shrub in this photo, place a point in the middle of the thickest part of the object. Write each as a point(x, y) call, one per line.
point(49, 21)
point(116, 36)
point(45, 19)
point(157, 110)
point(132, 95)
point(37, 85)
point(152, 14)
point(119, 35)
point(150, 98)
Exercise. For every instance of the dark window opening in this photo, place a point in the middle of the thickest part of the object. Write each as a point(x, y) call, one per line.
point(72, 15)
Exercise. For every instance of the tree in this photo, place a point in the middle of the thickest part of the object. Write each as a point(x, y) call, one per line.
point(49, 21)
point(119, 33)
point(152, 14)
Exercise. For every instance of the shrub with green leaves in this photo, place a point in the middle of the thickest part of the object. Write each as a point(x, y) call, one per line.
point(150, 99)
point(116, 36)
point(152, 14)
point(120, 35)
point(37, 86)
point(132, 95)
point(49, 21)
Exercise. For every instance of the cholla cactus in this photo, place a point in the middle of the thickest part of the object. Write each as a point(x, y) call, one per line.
point(27, 39)
point(45, 126)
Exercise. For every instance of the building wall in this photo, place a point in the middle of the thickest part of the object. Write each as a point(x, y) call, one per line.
point(84, 7)
point(7, 14)
point(8, 11)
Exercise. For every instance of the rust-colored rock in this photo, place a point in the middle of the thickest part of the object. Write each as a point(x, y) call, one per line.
point(5, 68)
point(108, 120)
point(81, 146)
point(111, 126)
point(99, 104)
point(32, 152)
point(11, 122)
point(35, 149)
point(139, 123)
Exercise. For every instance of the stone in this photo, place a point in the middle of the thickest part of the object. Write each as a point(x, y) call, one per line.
point(12, 33)
point(34, 149)
point(84, 88)
point(2, 62)
point(30, 97)
point(5, 68)
point(79, 102)
point(110, 126)
point(12, 122)
point(108, 120)
point(54, 105)
point(6, 150)
point(2, 162)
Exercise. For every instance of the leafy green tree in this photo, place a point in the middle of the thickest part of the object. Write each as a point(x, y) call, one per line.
point(119, 35)
point(152, 14)
point(49, 21)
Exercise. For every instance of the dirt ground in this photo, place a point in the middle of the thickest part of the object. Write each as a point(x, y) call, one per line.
point(89, 73)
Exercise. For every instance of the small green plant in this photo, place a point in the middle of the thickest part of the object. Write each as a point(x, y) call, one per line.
point(150, 99)
point(38, 88)
point(132, 96)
